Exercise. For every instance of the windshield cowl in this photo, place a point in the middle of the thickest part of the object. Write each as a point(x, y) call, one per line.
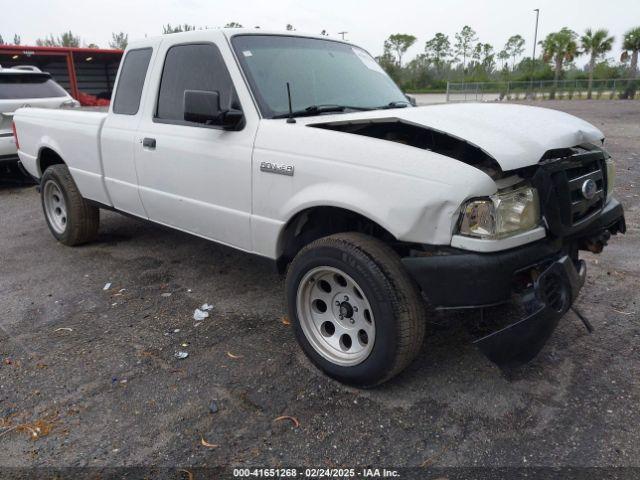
point(321, 110)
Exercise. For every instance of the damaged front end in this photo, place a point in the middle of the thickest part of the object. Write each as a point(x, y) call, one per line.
point(521, 293)
point(513, 255)
point(418, 136)
point(552, 289)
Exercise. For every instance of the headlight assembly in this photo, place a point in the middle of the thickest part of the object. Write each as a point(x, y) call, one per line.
point(506, 213)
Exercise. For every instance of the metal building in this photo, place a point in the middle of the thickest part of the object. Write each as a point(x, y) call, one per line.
point(87, 74)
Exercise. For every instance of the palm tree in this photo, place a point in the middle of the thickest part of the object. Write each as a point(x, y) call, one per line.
point(631, 42)
point(558, 47)
point(595, 44)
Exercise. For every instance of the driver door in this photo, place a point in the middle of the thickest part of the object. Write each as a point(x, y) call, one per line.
point(193, 176)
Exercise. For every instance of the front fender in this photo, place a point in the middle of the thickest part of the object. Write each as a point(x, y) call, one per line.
point(413, 211)
point(340, 196)
point(412, 193)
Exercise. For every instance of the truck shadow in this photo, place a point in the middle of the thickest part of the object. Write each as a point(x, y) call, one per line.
point(10, 180)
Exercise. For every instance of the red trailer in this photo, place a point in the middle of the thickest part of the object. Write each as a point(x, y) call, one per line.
point(87, 74)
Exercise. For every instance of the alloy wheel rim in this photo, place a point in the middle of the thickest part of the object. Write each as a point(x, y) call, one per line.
point(55, 207)
point(336, 316)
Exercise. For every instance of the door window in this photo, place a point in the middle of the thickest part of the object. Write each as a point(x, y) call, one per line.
point(192, 67)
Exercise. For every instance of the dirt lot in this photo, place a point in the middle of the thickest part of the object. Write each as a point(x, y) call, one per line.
point(95, 370)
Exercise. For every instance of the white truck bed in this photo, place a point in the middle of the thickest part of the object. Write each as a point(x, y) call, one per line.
point(75, 134)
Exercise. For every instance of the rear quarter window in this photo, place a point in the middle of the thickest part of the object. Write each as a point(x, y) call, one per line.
point(14, 86)
point(131, 81)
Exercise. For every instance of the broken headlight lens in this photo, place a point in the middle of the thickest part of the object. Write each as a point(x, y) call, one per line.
point(611, 177)
point(506, 213)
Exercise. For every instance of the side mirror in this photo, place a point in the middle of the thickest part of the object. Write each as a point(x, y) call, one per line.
point(411, 100)
point(232, 119)
point(202, 107)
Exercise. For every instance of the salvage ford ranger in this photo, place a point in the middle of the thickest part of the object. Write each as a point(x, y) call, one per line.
point(302, 150)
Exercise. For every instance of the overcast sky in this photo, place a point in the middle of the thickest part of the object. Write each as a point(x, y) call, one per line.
point(368, 22)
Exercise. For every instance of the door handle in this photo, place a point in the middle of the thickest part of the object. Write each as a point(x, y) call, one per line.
point(149, 142)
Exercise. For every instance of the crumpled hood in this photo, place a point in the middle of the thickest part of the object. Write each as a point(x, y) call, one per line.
point(515, 136)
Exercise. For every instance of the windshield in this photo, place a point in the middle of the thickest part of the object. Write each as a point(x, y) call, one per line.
point(321, 73)
point(19, 85)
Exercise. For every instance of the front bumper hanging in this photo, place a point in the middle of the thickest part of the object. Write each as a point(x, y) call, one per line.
point(551, 295)
point(526, 312)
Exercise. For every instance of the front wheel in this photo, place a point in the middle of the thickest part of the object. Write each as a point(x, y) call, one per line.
point(356, 313)
point(71, 219)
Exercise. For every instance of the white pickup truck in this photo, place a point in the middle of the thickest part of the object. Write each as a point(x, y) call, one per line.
point(302, 150)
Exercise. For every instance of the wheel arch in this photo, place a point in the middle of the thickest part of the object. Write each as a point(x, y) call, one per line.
point(318, 221)
point(48, 156)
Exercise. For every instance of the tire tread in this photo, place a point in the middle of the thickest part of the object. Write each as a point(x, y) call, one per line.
point(407, 302)
point(84, 218)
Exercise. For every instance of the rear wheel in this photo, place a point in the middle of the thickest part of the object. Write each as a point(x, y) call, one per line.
point(71, 219)
point(356, 313)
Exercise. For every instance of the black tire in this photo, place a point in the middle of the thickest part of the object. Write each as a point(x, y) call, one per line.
point(82, 218)
point(398, 308)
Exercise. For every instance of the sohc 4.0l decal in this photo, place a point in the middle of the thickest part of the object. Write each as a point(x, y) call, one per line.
point(280, 169)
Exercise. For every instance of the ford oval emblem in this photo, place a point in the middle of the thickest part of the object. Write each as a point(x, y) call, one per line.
point(589, 189)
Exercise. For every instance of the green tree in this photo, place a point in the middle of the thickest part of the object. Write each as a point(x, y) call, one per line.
point(388, 62)
point(67, 39)
point(1, 40)
point(488, 58)
point(608, 69)
point(49, 41)
point(324, 33)
point(233, 25)
point(515, 47)
point(119, 40)
point(631, 43)
point(503, 56)
point(416, 73)
point(538, 69)
point(398, 44)
point(557, 48)
point(178, 28)
point(596, 44)
point(16, 39)
point(482, 60)
point(438, 51)
point(464, 45)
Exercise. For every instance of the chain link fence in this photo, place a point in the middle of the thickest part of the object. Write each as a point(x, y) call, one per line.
point(542, 90)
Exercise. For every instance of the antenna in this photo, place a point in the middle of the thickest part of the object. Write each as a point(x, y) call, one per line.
point(290, 119)
point(343, 34)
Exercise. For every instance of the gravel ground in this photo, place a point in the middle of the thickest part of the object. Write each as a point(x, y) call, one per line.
point(92, 373)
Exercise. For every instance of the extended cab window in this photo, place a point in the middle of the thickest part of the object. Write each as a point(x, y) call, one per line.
point(192, 67)
point(129, 91)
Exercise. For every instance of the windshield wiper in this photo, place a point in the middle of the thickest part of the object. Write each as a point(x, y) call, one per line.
point(317, 109)
point(396, 104)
